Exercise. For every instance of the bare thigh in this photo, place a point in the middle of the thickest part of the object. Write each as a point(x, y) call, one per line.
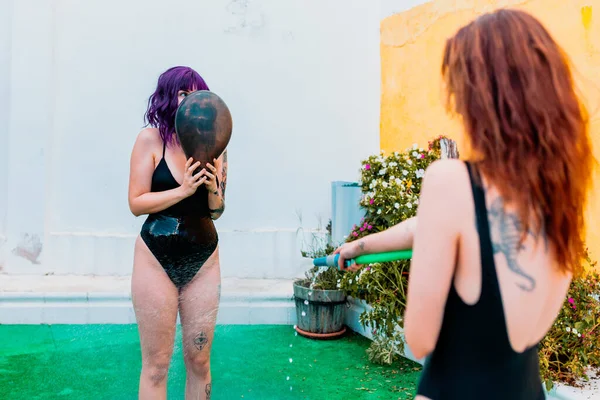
point(198, 309)
point(155, 301)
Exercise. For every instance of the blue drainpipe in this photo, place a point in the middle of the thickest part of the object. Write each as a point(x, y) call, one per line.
point(345, 209)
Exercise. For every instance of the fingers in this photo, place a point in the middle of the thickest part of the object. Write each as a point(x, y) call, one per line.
point(211, 167)
point(188, 163)
point(342, 263)
point(199, 182)
point(190, 170)
point(209, 175)
point(199, 174)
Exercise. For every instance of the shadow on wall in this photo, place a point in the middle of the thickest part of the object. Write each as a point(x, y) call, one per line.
point(412, 99)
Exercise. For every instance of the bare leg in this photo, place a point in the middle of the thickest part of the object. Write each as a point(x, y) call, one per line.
point(198, 308)
point(155, 300)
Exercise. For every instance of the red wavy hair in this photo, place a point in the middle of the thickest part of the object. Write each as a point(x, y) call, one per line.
point(512, 85)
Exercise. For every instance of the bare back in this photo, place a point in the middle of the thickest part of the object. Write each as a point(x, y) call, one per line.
point(532, 287)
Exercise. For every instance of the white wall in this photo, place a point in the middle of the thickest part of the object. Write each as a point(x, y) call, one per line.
point(301, 78)
point(5, 39)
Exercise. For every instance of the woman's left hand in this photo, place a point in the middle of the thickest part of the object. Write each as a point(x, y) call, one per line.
point(211, 178)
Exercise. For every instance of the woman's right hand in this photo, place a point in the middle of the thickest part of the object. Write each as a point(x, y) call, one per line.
point(349, 251)
point(192, 182)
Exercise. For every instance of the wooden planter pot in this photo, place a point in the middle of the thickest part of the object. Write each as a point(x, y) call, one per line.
point(320, 313)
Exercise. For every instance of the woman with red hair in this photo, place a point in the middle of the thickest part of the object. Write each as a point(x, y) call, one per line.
point(498, 238)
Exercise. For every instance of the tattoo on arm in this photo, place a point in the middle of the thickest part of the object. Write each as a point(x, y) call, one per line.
point(224, 174)
point(208, 390)
point(200, 341)
point(216, 213)
point(510, 231)
point(361, 245)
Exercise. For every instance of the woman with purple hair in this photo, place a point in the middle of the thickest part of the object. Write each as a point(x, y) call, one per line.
point(176, 258)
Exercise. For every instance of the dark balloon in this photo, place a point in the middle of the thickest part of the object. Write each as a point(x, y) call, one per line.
point(203, 124)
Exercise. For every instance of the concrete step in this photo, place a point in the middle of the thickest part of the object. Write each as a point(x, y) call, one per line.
point(88, 299)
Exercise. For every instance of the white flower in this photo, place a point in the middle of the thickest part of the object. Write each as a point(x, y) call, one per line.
point(382, 172)
point(568, 329)
point(415, 154)
point(420, 173)
point(393, 164)
point(416, 202)
point(579, 335)
point(398, 181)
point(415, 146)
point(397, 205)
point(420, 149)
point(404, 172)
point(409, 205)
point(372, 185)
point(575, 331)
point(379, 211)
point(409, 162)
point(384, 164)
point(385, 184)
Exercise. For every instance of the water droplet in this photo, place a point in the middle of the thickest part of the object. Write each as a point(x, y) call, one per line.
point(304, 313)
point(291, 360)
point(306, 302)
point(288, 378)
point(290, 345)
point(310, 293)
point(295, 333)
point(290, 388)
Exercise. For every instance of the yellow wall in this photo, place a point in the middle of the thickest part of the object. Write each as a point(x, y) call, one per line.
point(411, 50)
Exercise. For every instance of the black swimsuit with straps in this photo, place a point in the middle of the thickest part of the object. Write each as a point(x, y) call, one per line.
point(183, 236)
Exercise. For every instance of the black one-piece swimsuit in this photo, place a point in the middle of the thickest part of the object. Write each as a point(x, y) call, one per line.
point(183, 236)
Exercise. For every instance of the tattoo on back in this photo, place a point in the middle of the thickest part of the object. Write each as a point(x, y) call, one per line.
point(510, 231)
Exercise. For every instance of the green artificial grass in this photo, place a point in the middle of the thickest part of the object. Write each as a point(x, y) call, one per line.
point(248, 362)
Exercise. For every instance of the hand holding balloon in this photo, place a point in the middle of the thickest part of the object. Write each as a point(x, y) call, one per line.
point(211, 178)
point(191, 181)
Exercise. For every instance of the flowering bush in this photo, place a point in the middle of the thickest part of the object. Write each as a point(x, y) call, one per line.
point(573, 343)
point(391, 186)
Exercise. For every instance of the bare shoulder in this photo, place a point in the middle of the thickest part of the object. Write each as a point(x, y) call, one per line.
point(445, 191)
point(446, 176)
point(149, 137)
point(147, 147)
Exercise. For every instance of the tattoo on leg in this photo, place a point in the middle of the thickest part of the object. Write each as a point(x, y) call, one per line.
point(208, 390)
point(510, 231)
point(200, 341)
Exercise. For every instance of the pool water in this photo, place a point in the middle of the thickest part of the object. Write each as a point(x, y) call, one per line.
point(248, 362)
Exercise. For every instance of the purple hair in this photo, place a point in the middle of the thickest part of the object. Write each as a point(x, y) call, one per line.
point(162, 104)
